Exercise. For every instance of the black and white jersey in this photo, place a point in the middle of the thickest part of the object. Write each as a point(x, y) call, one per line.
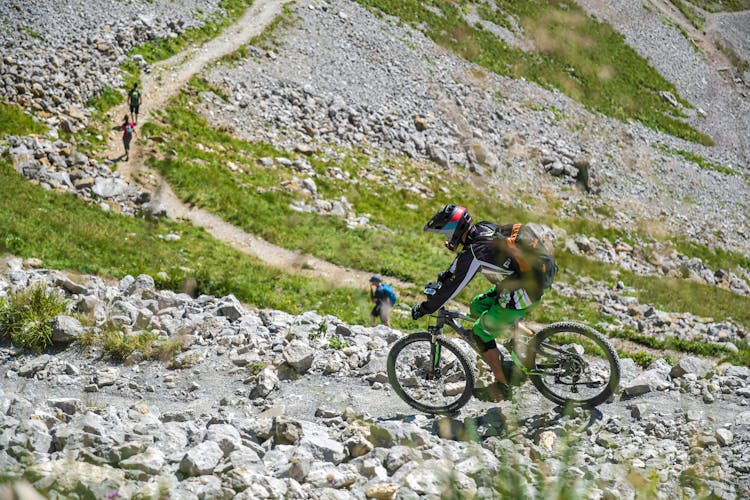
point(486, 251)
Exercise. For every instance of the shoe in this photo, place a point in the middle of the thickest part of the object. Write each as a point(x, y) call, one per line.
point(513, 374)
point(496, 391)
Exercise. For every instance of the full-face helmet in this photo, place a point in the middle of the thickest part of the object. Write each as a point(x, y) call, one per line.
point(453, 221)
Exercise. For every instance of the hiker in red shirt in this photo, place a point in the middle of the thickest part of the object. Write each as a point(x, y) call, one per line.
point(128, 130)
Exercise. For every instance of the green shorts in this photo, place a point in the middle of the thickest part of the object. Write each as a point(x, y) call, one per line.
point(493, 319)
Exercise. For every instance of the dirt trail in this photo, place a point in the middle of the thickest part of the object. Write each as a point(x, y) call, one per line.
point(165, 80)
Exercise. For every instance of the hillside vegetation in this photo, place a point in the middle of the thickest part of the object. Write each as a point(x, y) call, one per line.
point(574, 53)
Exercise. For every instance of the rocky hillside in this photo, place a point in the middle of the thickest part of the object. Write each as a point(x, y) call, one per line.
point(150, 393)
point(393, 89)
point(268, 405)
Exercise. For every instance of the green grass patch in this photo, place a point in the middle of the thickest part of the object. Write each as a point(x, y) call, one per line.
point(741, 64)
point(119, 345)
point(164, 48)
point(642, 359)
point(107, 99)
point(31, 33)
point(556, 307)
point(669, 294)
point(586, 59)
point(337, 343)
point(269, 38)
point(255, 367)
point(68, 234)
point(699, 348)
point(687, 9)
point(26, 315)
point(715, 258)
point(722, 5)
point(14, 121)
point(131, 74)
point(696, 158)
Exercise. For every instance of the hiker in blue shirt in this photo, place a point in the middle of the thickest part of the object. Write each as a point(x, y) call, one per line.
point(384, 297)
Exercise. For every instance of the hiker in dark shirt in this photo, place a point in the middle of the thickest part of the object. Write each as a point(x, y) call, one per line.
point(134, 102)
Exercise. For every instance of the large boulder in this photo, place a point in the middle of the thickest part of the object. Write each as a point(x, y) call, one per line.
point(691, 365)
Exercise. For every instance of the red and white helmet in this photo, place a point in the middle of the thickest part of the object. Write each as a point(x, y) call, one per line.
point(453, 221)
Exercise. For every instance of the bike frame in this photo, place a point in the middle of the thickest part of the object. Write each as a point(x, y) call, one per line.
point(444, 317)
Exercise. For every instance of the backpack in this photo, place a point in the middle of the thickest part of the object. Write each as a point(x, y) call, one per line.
point(388, 289)
point(135, 98)
point(530, 253)
point(128, 130)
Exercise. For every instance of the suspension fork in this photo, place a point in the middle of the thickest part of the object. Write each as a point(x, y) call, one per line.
point(434, 353)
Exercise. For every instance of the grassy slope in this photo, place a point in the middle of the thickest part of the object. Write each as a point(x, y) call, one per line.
point(196, 165)
point(582, 57)
point(13, 121)
point(68, 234)
point(104, 244)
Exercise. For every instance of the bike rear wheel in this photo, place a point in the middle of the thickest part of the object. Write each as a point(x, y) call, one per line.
point(431, 377)
point(573, 365)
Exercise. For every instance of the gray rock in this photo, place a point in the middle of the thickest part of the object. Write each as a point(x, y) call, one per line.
point(69, 406)
point(230, 307)
point(265, 382)
point(150, 461)
point(201, 459)
point(226, 436)
point(692, 365)
point(742, 372)
point(109, 187)
point(299, 355)
point(66, 329)
point(322, 446)
point(648, 381)
point(724, 437)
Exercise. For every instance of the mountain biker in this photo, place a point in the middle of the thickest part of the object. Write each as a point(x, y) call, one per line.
point(509, 256)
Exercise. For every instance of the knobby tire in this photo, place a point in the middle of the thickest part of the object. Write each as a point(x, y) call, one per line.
point(600, 341)
point(445, 344)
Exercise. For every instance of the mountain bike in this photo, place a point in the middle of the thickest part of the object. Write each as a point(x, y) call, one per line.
point(569, 363)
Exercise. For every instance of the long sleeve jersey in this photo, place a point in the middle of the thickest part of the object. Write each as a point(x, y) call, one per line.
point(491, 250)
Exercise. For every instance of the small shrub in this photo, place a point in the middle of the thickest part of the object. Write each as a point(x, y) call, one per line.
point(641, 359)
point(255, 367)
point(167, 350)
point(25, 317)
point(337, 343)
point(119, 345)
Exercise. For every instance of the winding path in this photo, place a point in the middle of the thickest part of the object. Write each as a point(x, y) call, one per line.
point(165, 80)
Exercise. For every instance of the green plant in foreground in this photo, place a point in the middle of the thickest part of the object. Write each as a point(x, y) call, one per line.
point(25, 317)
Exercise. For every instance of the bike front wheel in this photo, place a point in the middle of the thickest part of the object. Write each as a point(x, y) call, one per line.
point(430, 375)
point(573, 365)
